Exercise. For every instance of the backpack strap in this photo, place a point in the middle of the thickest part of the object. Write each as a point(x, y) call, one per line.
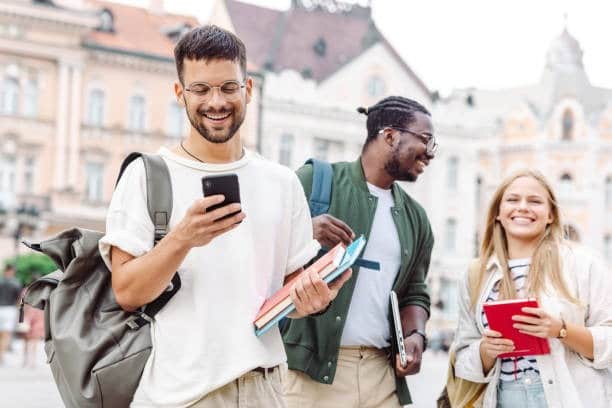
point(320, 195)
point(159, 206)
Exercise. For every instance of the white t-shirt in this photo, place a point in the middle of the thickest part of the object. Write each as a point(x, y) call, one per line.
point(203, 338)
point(367, 322)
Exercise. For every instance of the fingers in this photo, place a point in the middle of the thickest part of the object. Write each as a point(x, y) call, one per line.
point(337, 284)
point(330, 231)
point(491, 333)
point(310, 293)
point(341, 225)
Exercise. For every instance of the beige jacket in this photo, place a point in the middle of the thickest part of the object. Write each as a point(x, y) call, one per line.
point(570, 380)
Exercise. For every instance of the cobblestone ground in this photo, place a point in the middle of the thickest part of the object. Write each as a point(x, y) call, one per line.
point(34, 387)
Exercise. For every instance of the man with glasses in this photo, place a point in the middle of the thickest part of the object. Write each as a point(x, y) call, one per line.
point(230, 259)
point(345, 357)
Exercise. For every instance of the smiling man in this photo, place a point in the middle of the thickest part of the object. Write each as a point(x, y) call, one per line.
point(230, 259)
point(343, 357)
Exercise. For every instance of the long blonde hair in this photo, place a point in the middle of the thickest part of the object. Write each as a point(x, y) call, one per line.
point(545, 263)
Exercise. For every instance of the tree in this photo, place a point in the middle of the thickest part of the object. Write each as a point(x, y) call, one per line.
point(31, 265)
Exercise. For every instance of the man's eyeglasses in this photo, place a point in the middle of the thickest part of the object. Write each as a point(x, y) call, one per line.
point(229, 90)
point(428, 140)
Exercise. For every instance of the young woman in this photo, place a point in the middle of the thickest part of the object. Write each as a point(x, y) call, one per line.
point(523, 255)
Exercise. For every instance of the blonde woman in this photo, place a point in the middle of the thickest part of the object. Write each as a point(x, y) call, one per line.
point(524, 254)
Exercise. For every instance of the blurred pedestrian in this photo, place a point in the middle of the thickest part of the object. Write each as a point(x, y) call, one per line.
point(524, 254)
point(10, 288)
point(343, 357)
point(33, 332)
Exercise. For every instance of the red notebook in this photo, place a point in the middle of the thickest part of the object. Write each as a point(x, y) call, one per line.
point(499, 315)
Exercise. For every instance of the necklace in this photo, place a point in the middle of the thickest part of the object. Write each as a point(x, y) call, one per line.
point(189, 153)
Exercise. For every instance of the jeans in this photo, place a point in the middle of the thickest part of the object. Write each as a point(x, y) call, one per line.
point(526, 392)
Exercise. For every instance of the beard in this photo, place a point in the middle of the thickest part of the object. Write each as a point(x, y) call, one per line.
point(212, 135)
point(394, 169)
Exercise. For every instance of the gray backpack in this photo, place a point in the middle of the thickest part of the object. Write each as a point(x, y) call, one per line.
point(96, 350)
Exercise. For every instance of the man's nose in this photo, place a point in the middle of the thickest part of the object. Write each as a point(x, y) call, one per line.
point(216, 98)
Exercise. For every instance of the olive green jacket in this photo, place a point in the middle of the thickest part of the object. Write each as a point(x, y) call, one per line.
point(312, 343)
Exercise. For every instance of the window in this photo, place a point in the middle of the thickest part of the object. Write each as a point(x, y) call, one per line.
point(320, 47)
point(28, 175)
point(285, 149)
point(608, 247)
point(448, 298)
point(567, 125)
point(136, 120)
point(321, 149)
point(450, 243)
point(608, 192)
point(571, 233)
point(95, 111)
point(106, 21)
point(565, 185)
point(452, 169)
point(376, 86)
point(94, 187)
point(176, 120)
point(9, 97)
point(7, 181)
point(31, 97)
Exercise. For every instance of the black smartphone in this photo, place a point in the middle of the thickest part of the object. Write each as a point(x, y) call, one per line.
point(226, 184)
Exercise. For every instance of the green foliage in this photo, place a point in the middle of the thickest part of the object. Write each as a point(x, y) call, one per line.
point(31, 265)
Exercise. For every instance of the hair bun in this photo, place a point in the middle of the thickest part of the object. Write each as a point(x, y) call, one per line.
point(363, 110)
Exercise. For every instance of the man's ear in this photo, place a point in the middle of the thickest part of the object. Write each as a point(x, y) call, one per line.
point(180, 93)
point(389, 136)
point(249, 89)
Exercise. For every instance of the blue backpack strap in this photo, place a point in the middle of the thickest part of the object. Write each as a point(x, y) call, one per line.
point(322, 178)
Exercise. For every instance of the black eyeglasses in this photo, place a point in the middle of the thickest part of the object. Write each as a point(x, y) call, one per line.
point(229, 90)
point(428, 140)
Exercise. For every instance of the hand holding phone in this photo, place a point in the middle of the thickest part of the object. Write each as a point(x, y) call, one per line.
point(225, 184)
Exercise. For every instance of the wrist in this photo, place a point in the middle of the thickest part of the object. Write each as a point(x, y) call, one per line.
point(562, 334)
point(176, 244)
point(418, 333)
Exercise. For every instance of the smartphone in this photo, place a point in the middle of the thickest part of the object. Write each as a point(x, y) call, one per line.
point(226, 184)
point(397, 326)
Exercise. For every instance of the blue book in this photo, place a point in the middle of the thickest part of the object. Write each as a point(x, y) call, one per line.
point(350, 256)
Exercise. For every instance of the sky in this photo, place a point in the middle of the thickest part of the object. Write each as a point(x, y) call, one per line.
point(487, 44)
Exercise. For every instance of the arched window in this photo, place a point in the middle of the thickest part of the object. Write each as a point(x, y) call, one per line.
point(452, 176)
point(565, 185)
point(285, 151)
point(450, 241)
point(31, 97)
point(567, 125)
point(136, 120)
point(608, 247)
point(376, 86)
point(571, 233)
point(608, 191)
point(9, 95)
point(95, 108)
point(94, 182)
point(176, 120)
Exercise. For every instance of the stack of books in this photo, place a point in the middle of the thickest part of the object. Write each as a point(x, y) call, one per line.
point(329, 267)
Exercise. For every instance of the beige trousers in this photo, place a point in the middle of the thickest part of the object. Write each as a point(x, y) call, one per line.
point(252, 390)
point(364, 378)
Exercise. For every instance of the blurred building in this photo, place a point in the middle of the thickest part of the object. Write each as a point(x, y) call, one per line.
point(82, 84)
point(561, 126)
point(320, 60)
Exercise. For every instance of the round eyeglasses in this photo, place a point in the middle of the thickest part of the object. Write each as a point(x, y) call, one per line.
point(228, 90)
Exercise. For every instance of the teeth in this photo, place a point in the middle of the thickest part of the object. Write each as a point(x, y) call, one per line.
point(216, 117)
point(521, 220)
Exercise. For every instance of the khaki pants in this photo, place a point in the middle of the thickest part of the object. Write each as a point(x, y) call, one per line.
point(252, 390)
point(364, 378)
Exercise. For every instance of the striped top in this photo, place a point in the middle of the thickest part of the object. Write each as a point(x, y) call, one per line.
point(512, 368)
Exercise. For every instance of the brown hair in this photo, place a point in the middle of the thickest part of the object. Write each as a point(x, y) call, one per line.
point(546, 262)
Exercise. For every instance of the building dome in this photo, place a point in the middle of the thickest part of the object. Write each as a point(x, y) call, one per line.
point(564, 53)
